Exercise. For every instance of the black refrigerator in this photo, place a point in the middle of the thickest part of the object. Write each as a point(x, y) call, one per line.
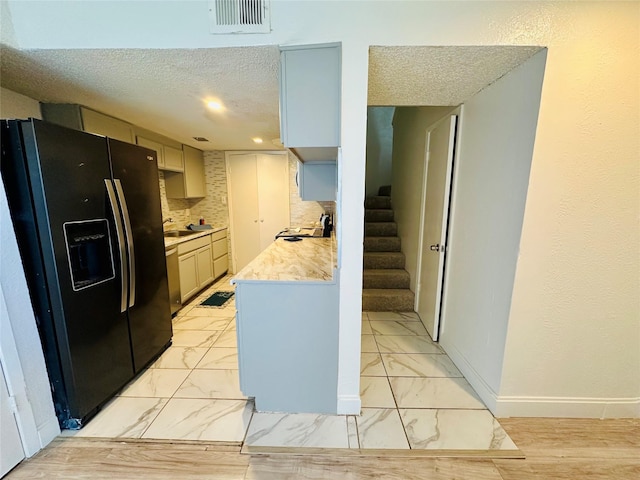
point(87, 215)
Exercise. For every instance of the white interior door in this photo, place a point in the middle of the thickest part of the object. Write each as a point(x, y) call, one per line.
point(259, 202)
point(11, 452)
point(435, 213)
point(273, 194)
point(243, 193)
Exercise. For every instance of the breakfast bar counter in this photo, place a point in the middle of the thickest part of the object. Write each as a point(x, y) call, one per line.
point(287, 326)
point(310, 259)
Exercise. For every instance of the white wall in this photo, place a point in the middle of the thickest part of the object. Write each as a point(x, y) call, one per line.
point(410, 125)
point(379, 148)
point(25, 335)
point(579, 262)
point(491, 174)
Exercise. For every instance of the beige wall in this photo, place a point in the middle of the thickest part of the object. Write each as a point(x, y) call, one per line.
point(14, 105)
point(574, 325)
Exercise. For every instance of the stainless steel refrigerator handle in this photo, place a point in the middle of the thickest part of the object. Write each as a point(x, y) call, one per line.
point(129, 232)
point(120, 233)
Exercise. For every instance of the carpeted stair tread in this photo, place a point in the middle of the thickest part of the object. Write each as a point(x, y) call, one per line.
point(379, 260)
point(378, 215)
point(380, 229)
point(385, 278)
point(377, 202)
point(381, 300)
point(381, 244)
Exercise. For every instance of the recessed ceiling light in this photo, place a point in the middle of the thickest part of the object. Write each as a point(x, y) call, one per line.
point(257, 140)
point(213, 105)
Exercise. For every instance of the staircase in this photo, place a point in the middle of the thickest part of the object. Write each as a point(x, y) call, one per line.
point(385, 282)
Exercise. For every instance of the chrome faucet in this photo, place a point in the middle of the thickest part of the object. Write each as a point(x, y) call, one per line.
point(168, 220)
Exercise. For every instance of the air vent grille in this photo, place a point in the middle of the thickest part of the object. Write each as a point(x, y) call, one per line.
point(239, 16)
point(200, 139)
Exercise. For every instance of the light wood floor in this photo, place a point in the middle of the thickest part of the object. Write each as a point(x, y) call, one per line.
point(573, 449)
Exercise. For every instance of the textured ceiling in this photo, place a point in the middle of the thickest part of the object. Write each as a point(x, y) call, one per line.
point(161, 90)
point(404, 76)
point(165, 90)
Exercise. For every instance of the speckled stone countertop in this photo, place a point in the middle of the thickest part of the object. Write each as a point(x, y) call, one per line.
point(311, 259)
point(171, 241)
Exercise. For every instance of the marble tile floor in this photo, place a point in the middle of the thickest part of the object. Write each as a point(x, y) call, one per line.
point(413, 396)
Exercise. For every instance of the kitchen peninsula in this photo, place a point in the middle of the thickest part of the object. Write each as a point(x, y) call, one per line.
point(287, 322)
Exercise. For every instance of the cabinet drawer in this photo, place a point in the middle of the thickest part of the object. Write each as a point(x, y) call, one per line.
point(220, 265)
point(219, 248)
point(189, 246)
point(219, 235)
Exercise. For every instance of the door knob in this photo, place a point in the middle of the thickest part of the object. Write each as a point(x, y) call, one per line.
point(435, 248)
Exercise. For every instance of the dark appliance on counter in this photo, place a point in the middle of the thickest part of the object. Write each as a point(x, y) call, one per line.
point(86, 210)
point(327, 225)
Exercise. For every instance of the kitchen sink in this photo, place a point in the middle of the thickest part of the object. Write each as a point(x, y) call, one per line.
point(178, 233)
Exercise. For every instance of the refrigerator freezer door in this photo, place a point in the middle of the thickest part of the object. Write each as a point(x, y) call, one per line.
point(136, 170)
point(82, 327)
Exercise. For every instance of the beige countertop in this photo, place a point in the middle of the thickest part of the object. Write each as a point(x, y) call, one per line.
point(311, 259)
point(171, 241)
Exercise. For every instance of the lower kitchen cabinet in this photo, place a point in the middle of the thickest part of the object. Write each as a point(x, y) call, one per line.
point(220, 251)
point(189, 285)
point(195, 263)
point(205, 266)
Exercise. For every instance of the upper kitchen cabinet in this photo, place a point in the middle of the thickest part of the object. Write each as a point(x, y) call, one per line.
point(169, 158)
point(310, 85)
point(82, 118)
point(190, 183)
point(317, 181)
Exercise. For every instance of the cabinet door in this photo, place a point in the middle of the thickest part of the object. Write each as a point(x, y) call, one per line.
point(94, 122)
point(173, 159)
point(194, 184)
point(155, 146)
point(310, 96)
point(188, 275)
point(205, 266)
point(318, 181)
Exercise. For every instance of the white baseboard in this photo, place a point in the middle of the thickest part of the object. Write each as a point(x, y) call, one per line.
point(349, 404)
point(567, 407)
point(484, 391)
point(48, 431)
point(559, 407)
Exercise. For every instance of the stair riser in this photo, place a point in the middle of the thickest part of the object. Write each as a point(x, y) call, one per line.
point(399, 281)
point(377, 202)
point(380, 229)
point(371, 262)
point(381, 244)
point(387, 304)
point(378, 216)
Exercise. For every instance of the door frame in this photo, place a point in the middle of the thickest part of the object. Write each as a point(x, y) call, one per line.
point(227, 155)
point(448, 205)
point(16, 384)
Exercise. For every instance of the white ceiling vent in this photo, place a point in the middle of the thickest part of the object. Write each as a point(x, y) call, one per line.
point(240, 16)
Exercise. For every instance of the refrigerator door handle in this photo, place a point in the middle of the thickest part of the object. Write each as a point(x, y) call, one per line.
point(129, 233)
point(120, 234)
